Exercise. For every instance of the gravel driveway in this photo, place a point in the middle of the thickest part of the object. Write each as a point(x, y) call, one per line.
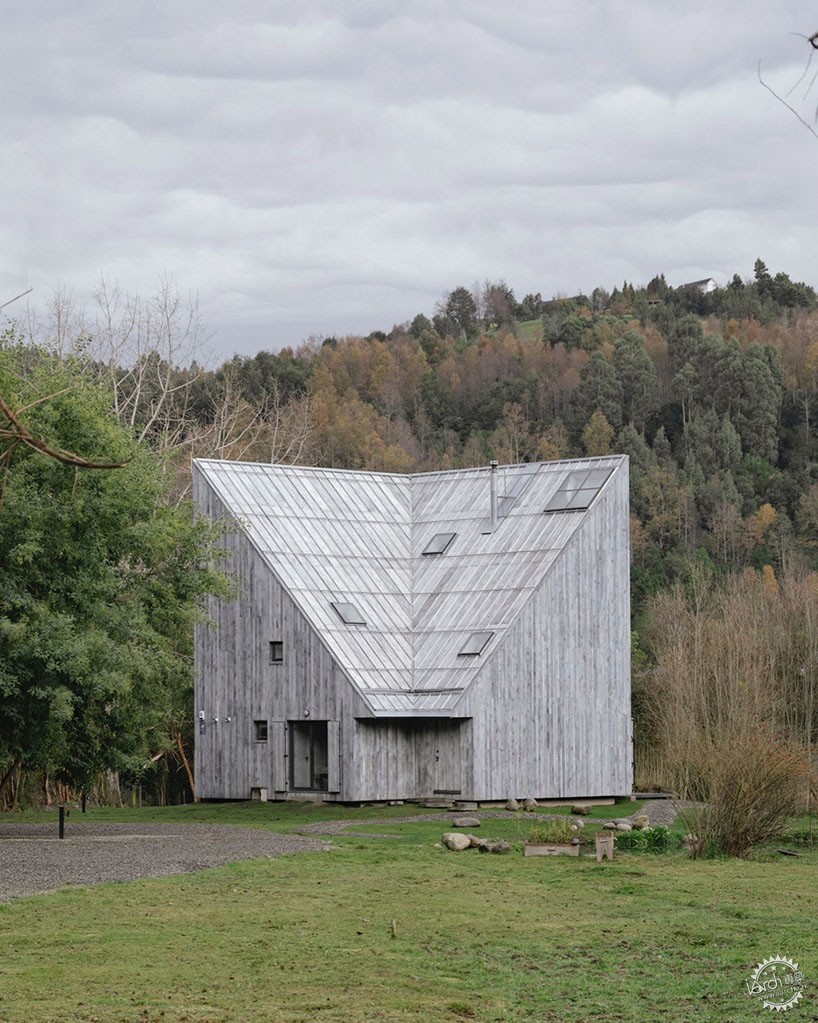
point(33, 859)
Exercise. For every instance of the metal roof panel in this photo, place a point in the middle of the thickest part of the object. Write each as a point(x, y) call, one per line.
point(358, 537)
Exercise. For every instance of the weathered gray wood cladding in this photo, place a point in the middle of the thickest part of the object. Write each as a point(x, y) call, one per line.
point(551, 708)
point(546, 713)
point(236, 684)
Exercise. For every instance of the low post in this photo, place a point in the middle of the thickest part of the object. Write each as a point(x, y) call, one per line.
point(604, 846)
point(62, 822)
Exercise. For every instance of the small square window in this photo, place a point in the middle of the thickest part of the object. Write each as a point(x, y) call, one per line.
point(475, 644)
point(349, 614)
point(276, 651)
point(260, 731)
point(439, 543)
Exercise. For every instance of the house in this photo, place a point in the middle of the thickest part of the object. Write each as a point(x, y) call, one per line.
point(460, 634)
point(705, 286)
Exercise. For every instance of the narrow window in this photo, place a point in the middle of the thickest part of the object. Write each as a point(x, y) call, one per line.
point(276, 651)
point(475, 644)
point(260, 730)
point(348, 613)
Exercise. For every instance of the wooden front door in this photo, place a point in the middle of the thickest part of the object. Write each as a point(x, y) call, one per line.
point(440, 762)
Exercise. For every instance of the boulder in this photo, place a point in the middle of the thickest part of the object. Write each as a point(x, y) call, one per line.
point(512, 804)
point(624, 826)
point(581, 809)
point(494, 847)
point(641, 821)
point(456, 842)
point(465, 822)
point(475, 842)
point(609, 825)
point(529, 804)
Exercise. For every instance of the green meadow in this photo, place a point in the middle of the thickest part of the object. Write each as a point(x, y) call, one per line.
point(396, 928)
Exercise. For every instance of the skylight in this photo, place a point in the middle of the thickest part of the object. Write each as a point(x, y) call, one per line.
point(475, 644)
point(517, 489)
point(348, 613)
point(439, 543)
point(578, 490)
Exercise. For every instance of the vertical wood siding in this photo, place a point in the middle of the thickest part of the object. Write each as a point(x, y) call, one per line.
point(551, 708)
point(236, 684)
point(548, 714)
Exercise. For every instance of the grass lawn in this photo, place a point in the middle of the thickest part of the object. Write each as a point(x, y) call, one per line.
point(475, 937)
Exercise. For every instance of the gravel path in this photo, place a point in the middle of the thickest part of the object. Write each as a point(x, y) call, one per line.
point(33, 859)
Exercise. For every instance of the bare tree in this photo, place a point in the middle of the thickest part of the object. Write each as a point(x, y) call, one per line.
point(141, 344)
point(62, 327)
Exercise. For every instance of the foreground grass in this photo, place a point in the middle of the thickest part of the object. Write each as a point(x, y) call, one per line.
point(489, 938)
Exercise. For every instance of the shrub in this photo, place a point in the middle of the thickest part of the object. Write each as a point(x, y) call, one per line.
point(557, 831)
point(653, 840)
point(753, 786)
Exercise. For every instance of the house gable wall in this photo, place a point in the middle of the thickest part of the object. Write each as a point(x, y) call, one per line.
point(551, 708)
point(236, 684)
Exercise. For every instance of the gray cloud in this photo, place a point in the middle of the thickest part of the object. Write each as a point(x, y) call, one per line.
point(323, 168)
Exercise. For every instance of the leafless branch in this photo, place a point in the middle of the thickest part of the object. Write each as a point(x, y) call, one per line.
point(21, 295)
point(14, 432)
point(781, 100)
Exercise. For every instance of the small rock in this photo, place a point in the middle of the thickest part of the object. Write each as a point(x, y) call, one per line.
point(581, 809)
point(609, 825)
point(456, 842)
point(641, 821)
point(512, 804)
point(494, 847)
point(692, 844)
point(529, 804)
point(579, 823)
point(465, 822)
point(624, 826)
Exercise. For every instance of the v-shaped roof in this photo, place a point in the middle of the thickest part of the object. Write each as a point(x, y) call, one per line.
point(346, 537)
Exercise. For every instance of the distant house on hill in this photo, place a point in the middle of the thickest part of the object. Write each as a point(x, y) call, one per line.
point(706, 286)
point(458, 634)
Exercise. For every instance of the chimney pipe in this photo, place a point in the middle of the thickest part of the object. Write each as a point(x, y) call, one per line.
point(493, 493)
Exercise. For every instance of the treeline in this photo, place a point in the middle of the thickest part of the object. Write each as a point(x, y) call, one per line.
point(710, 391)
point(711, 395)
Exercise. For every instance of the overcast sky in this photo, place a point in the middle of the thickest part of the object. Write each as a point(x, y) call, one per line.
point(336, 166)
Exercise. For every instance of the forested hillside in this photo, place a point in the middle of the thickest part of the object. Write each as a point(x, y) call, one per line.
point(710, 393)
